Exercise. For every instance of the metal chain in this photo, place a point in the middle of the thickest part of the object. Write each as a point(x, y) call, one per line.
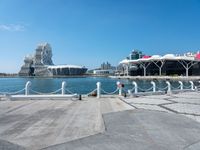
point(70, 92)
point(132, 89)
point(176, 87)
point(91, 92)
point(12, 93)
point(109, 93)
point(187, 87)
point(162, 89)
point(145, 89)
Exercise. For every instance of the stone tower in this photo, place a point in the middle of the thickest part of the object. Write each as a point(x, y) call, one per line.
point(37, 65)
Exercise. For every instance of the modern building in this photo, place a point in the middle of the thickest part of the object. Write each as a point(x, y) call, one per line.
point(41, 64)
point(169, 64)
point(105, 69)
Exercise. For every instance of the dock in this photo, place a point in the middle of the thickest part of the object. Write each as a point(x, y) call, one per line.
point(170, 121)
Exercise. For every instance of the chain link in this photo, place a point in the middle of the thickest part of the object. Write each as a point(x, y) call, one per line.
point(12, 93)
point(109, 93)
point(92, 92)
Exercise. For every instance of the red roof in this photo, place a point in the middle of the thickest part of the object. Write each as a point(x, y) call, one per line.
point(146, 56)
point(197, 56)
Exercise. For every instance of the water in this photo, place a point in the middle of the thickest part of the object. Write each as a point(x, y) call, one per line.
point(82, 85)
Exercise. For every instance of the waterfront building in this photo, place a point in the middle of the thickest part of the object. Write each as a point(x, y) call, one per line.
point(105, 69)
point(41, 64)
point(169, 64)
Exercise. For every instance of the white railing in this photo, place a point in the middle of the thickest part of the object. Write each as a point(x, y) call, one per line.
point(98, 91)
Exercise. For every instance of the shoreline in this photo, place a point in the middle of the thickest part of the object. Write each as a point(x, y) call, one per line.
point(175, 78)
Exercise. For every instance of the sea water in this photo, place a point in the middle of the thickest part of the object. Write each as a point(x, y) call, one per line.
point(80, 85)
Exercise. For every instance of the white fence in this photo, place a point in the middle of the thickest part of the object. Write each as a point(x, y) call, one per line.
point(27, 91)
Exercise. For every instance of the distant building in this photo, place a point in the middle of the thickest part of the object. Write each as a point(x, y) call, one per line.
point(105, 69)
point(169, 64)
point(106, 66)
point(41, 64)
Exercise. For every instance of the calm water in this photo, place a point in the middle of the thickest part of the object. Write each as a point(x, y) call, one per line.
point(77, 85)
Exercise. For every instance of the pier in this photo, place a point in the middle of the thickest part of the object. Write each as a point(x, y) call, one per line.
point(169, 121)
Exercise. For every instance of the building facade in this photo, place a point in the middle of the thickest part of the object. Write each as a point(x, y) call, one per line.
point(41, 64)
point(169, 65)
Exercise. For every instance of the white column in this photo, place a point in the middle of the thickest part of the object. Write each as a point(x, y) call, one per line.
point(27, 87)
point(136, 87)
point(144, 71)
point(119, 86)
point(63, 87)
point(169, 87)
point(192, 85)
point(98, 89)
point(181, 85)
point(154, 86)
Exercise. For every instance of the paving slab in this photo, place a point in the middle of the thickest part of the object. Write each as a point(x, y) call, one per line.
point(35, 124)
point(113, 105)
point(146, 100)
point(187, 100)
point(185, 108)
point(150, 107)
point(140, 129)
point(42, 123)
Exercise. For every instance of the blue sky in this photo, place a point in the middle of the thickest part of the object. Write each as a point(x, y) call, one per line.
point(89, 32)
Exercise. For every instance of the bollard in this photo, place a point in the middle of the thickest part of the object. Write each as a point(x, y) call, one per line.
point(98, 89)
point(154, 86)
point(27, 87)
point(63, 87)
point(181, 85)
point(125, 95)
point(119, 86)
point(80, 97)
point(169, 87)
point(136, 87)
point(192, 85)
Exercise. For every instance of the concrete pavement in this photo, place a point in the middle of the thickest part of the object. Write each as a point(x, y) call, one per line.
point(111, 122)
point(187, 103)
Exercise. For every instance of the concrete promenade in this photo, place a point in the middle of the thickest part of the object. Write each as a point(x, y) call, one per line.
point(111, 122)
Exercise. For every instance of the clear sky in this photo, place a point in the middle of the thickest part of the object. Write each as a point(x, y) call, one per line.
point(89, 32)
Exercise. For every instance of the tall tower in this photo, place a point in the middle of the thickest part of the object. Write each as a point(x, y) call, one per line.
point(43, 57)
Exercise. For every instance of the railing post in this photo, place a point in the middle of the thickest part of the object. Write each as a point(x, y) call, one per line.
point(169, 87)
point(63, 87)
point(27, 87)
point(119, 86)
point(136, 87)
point(192, 85)
point(98, 89)
point(154, 86)
point(181, 85)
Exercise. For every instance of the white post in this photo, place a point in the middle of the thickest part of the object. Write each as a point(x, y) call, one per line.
point(27, 87)
point(98, 89)
point(181, 85)
point(169, 87)
point(154, 86)
point(63, 87)
point(192, 85)
point(119, 86)
point(136, 87)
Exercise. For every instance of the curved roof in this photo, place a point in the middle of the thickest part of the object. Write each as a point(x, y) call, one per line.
point(169, 56)
point(125, 61)
point(65, 66)
point(156, 57)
